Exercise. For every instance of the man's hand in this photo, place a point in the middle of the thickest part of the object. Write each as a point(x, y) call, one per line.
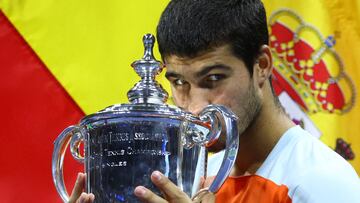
point(171, 192)
point(77, 195)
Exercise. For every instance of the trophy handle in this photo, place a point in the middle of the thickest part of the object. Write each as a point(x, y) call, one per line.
point(73, 135)
point(211, 115)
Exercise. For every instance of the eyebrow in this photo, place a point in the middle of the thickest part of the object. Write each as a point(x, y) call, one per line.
point(172, 75)
point(210, 68)
point(201, 73)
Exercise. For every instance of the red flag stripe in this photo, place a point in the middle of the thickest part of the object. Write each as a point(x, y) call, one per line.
point(35, 108)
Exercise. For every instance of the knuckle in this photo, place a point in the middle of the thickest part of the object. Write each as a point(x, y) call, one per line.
point(179, 194)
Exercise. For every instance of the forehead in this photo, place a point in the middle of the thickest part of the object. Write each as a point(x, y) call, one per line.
point(218, 55)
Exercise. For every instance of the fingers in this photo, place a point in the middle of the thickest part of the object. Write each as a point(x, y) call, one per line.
point(145, 195)
point(171, 191)
point(78, 188)
point(86, 198)
point(208, 181)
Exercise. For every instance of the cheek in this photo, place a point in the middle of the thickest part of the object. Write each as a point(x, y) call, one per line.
point(232, 98)
point(224, 97)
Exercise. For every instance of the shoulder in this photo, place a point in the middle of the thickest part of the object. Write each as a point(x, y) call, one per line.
point(323, 185)
point(319, 174)
point(311, 170)
point(301, 152)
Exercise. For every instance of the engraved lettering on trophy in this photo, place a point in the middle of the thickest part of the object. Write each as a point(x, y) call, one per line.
point(115, 152)
point(95, 154)
point(115, 164)
point(118, 137)
point(148, 136)
point(103, 138)
point(129, 151)
point(154, 152)
point(141, 136)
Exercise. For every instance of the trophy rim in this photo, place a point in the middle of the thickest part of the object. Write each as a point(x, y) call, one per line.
point(141, 110)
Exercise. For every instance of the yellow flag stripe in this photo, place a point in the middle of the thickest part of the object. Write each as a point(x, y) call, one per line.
point(88, 45)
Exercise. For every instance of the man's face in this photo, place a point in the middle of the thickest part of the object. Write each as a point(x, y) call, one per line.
point(214, 77)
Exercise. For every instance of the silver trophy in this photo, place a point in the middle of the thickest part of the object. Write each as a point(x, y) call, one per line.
point(125, 143)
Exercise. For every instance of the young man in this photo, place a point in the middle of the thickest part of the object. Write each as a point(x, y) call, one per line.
point(216, 52)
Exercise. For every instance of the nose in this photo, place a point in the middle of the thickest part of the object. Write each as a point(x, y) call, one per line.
point(198, 100)
point(197, 106)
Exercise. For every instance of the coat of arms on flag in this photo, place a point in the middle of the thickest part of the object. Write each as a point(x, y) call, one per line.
point(309, 75)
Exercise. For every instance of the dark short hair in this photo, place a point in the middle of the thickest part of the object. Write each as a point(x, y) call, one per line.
point(189, 27)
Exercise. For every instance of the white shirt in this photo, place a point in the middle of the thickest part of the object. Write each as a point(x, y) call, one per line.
point(312, 171)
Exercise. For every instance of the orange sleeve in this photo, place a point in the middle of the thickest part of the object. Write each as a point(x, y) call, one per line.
point(252, 189)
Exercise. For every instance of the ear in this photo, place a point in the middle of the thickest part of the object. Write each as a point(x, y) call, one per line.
point(263, 65)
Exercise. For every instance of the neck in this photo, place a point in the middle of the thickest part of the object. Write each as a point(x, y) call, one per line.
point(260, 138)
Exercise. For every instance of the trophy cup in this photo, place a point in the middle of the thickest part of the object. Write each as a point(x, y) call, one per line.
point(125, 143)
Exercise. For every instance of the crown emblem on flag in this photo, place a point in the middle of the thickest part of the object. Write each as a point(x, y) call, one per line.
point(307, 66)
